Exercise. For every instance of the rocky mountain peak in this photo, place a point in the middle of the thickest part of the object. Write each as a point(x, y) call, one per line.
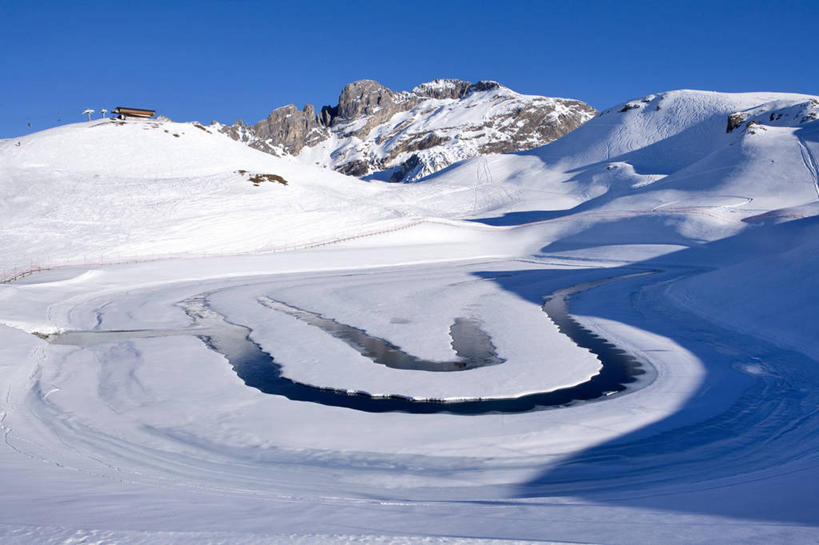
point(362, 98)
point(404, 136)
point(452, 88)
point(291, 129)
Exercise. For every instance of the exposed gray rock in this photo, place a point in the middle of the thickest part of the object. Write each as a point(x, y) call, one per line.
point(354, 168)
point(328, 113)
point(291, 129)
point(537, 123)
point(369, 100)
point(417, 142)
point(484, 85)
point(442, 89)
point(362, 98)
point(735, 120)
point(238, 131)
point(244, 133)
point(403, 172)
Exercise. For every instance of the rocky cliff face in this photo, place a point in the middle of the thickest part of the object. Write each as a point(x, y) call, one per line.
point(404, 136)
point(291, 129)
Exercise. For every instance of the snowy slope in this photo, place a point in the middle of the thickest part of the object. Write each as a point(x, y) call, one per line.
point(764, 284)
point(664, 169)
point(107, 190)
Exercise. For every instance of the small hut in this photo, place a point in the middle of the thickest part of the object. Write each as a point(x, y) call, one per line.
point(124, 113)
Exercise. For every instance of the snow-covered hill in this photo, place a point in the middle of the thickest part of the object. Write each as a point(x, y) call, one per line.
point(108, 190)
point(664, 169)
point(406, 136)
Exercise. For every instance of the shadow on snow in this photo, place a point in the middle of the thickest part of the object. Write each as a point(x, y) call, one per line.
point(739, 429)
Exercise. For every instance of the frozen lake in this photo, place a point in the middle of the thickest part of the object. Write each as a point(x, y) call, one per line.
point(260, 370)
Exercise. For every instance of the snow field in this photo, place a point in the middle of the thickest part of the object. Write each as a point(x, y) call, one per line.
point(156, 438)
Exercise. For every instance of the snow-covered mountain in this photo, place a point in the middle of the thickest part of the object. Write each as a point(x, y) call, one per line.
point(405, 136)
point(670, 168)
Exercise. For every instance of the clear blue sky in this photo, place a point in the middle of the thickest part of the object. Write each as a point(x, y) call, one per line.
point(229, 60)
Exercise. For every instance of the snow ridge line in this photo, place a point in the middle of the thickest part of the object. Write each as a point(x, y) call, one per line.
point(810, 162)
point(8, 277)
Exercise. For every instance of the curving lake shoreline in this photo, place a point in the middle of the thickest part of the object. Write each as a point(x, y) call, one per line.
point(259, 369)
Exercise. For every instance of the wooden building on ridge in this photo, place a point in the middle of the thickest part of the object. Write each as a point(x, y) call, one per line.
point(124, 113)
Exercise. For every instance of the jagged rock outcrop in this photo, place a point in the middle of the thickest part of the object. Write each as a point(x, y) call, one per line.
point(405, 136)
point(442, 89)
point(291, 129)
point(362, 98)
point(735, 120)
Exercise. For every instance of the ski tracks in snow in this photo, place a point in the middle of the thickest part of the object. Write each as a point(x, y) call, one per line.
point(810, 162)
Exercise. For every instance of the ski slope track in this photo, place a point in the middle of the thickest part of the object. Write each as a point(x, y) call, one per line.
point(810, 163)
point(154, 272)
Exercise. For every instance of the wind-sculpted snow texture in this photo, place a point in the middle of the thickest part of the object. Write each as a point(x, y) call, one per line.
point(406, 136)
point(122, 421)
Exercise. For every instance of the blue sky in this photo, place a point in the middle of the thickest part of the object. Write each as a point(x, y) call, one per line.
point(228, 60)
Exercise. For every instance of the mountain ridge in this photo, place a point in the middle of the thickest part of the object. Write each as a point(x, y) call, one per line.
point(404, 136)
